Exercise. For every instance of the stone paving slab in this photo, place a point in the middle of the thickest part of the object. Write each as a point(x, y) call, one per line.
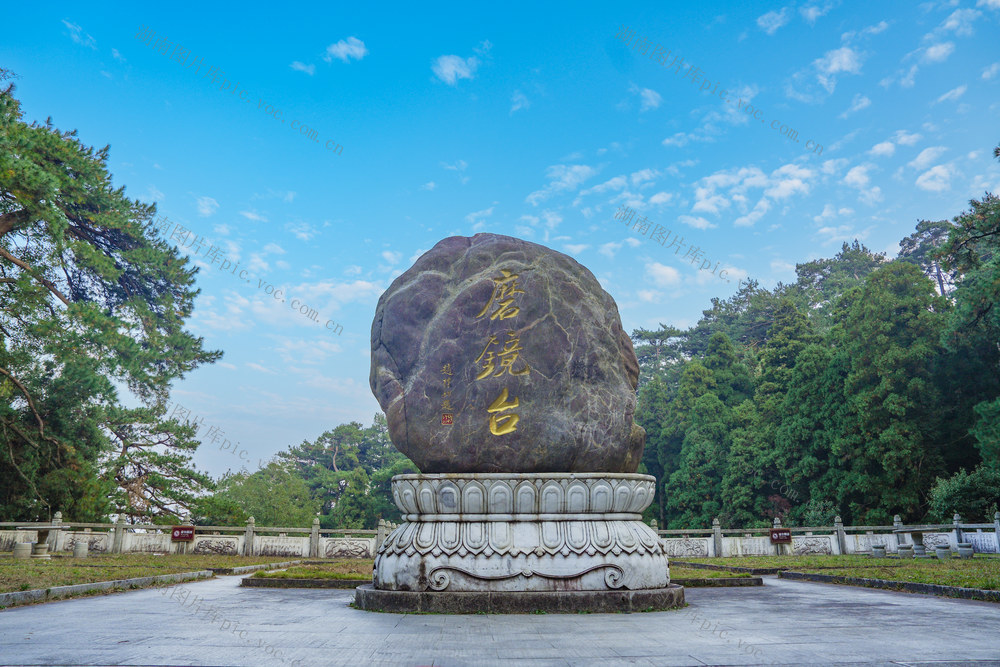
point(785, 622)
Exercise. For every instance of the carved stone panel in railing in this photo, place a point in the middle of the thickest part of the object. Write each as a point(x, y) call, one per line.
point(348, 547)
point(220, 545)
point(96, 542)
point(822, 544)
point(264, 545)
point(984, 543)
point(681, 546)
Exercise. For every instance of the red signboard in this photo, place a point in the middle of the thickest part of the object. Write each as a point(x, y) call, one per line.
point(447, 419)
point(182, 533)
point(781, 536)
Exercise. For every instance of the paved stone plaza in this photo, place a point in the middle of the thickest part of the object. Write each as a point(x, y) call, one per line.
point(785, 622)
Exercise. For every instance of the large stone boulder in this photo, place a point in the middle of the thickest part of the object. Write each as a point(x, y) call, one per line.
point(493, 354)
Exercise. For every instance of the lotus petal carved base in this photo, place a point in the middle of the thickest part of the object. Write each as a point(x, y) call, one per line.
point(522, 532)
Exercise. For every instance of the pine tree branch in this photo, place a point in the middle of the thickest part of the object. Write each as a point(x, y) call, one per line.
point(8, 220)
point(31, 404)
point(47, 283)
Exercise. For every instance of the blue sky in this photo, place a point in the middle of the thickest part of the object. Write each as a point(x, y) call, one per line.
point(534, 121)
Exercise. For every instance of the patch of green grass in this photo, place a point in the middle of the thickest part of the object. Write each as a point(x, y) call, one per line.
point(30, 574)
point(976, 573)
point(790, 562)
point(355, 568)
point(681, 572)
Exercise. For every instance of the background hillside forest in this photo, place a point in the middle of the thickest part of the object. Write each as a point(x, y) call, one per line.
point(868, 387)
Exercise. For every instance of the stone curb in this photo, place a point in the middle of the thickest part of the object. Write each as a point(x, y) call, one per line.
point(56, 592)
point(728, 568)
point(718, 582)
point(519, 602)
point(243, 569)
point(908, 586)
point(275, 582)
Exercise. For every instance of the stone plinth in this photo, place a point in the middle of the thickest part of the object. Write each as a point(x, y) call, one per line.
point(522, 533)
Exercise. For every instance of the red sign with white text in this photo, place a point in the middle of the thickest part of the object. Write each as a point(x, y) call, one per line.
point(182, 533)
point(781, 536)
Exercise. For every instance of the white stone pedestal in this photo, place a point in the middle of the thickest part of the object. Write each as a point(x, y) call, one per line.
point(505, 532)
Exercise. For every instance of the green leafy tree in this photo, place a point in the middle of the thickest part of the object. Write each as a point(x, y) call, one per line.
point(975, 496)
point(890, 330)
point(90, 300)
point(273, 496)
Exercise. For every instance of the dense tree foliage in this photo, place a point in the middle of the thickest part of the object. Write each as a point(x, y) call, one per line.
point(91, 302)
point(342, 477)
point(866, 388)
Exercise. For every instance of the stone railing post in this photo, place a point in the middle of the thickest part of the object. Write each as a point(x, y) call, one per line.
point(248, 538)
point(55, 536)
point(717, 537)
point(314, 539)
point(380, 534)
point(957, 528)
point(778, 547)
point(838, 526)
point(996, 529)
point(119, 538)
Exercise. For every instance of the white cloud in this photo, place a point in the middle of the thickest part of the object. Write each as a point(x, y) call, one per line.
point(302, 67)
point(576, 248)
point(772, 21)
point(344, 50)
point(935, 179)
point(696, 222)
point(992, 4)
point(751, 218)
point(662, 275)
point(884, 149)
point(391, 256)
point(221, 229)
point(927, 156)
point(207, 206)
point(154, 193)
point(458, 166)
point(253, 215)
point(76, 34)
point(429, 185)
point(991, 71)
point(844, 59)
point(561, 177)
point(857, 104)
point(660, 198)
point(830, 167)
point(519, 101)
point(452, 68)
point(479, 217)
point(904, 138)
point(116, 54)
point(301, 230)
point(857, 177)
point(609, 249)
point(261, 369)
point(353, 270)
point(961, 21)
point(650, 98)
point(813, 12)
point(938, 52)
point(953, 94)
point(273, 249)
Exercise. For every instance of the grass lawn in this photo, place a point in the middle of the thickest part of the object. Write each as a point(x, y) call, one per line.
point(23, 575)
point(983, 571)
point(791, 562)
point(681, 572)
point(354, 568)
point(976, 573)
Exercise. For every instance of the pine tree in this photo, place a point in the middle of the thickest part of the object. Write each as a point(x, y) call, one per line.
point(89, 299)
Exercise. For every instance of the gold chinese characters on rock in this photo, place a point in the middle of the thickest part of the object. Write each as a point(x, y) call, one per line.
point(447, 414)
point(502, 358)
